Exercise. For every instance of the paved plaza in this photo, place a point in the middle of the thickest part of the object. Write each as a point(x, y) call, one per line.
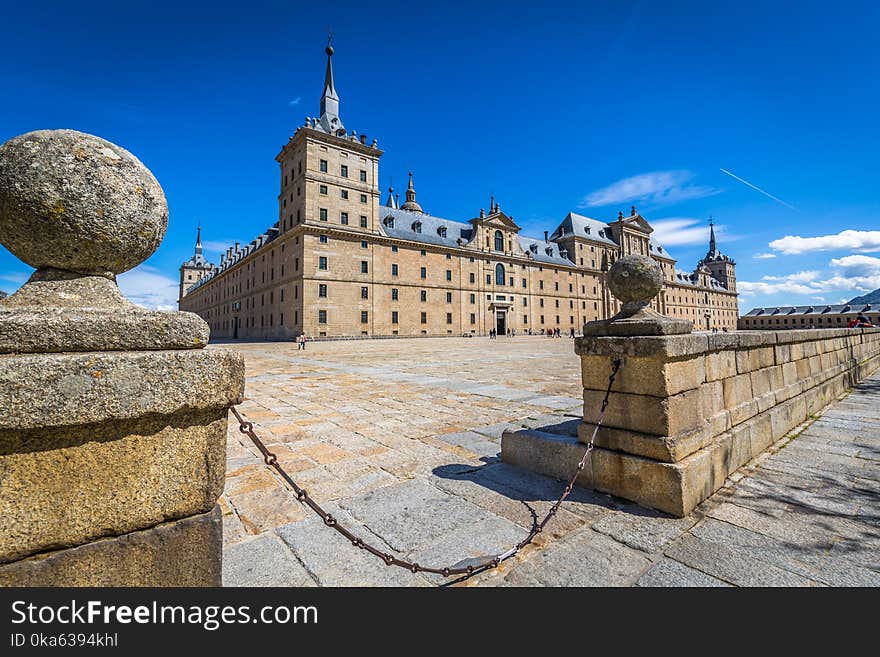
point(400, 441)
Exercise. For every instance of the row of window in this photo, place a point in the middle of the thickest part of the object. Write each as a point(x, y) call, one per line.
point(423, 318)
point(343, 170)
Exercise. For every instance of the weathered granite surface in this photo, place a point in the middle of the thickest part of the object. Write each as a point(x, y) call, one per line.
point(183, 552)
point(111, 478)
point(77, 202)
point(101, 386)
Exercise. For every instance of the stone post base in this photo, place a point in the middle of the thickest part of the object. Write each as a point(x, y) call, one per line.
point(184, 552)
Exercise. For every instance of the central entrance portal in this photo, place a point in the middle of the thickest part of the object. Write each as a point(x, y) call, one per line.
point(501, 322)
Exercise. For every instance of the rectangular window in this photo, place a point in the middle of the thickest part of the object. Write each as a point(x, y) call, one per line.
point(489, 279)
point(449, 297)
point(363, 175)
point(424, 317)
point(343, 218)
point(363, 221)
point(322, 214)
point(393, 248)
point(395, 293)
point(322, 263)
point(322, 317)
point(323, 166)
point(363, 244)
point(542, 319)
point(473, 298)
point(394, 270)
point(322, 239)
point(472, 278)
point(524, 283)
point(541, 285)
point(448, 274)
point(322, 189)
point(394, 317)
point(473, 319)
point(365, 293)
point(423, 295)
point(525, 301)
point(365, 267)
point(363, 198)
point(322, 290)
point(423, 252)
point(525, 319)
point(343, 194)
point(449, 318)
point(364, 317)
point(423, 272)
point(343, 170)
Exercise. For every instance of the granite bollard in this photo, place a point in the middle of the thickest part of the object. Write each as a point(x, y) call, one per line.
point(113, 431)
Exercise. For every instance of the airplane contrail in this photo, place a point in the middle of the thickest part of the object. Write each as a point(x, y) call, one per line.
point(758, 189)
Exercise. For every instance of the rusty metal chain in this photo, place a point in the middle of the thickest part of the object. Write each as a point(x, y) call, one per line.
point(302, 495)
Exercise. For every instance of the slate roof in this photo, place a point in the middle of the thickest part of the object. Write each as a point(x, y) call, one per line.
point(404, 227)
point(591, 229)
point(818, 309)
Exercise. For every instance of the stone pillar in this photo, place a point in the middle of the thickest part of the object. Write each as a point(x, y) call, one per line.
point(112, 417)
point(688, 409)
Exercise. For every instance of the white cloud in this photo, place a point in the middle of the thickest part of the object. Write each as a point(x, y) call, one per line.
point(797, 277)
point(658, 188)
point(295, 101)
point(852, 273)
point(678, 231)
point(857, 265)
point(218, 246)
point(146, 287)
point(856, 240)
point(764, 256)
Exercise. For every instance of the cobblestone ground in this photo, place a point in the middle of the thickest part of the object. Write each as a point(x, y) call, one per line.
point(400, 440)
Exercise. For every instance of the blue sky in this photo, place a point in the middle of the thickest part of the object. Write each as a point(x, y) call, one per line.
point(552, 106)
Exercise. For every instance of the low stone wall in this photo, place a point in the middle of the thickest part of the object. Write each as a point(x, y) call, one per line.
point(688, 410)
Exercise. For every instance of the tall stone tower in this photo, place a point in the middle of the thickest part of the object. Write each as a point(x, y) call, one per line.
point(194, 268)
point(722, 267)
point(329, 177)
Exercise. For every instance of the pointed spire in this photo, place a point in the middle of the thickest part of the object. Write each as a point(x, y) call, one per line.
point(390, 203)
point(411, 204)
point(199, 239)
point(330, 121)
point(712, 247)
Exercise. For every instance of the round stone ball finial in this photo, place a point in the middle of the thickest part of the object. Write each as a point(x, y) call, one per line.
point(635, 279)
point(73, 201)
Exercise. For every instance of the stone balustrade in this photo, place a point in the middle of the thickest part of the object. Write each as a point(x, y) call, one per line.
point(688, 410)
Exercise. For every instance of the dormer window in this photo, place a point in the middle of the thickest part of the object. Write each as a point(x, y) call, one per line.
point(389, 221)
point(441, 231)
point(549, 250)
point(417, 226)
point(601, 233)
point(587, 230)
point(533, 248)
point(659, 249)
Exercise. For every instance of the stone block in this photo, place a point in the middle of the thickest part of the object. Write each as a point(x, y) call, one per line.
point(720, 365)
point(662, 416)
point(737, 390)
point(644, 376)
point(100, 386)
point(85, 482)
point(184, 552)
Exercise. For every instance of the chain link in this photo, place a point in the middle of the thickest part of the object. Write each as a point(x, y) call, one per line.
point(271, 460)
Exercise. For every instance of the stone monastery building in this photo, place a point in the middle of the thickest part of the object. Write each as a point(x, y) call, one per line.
point(340, 263)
